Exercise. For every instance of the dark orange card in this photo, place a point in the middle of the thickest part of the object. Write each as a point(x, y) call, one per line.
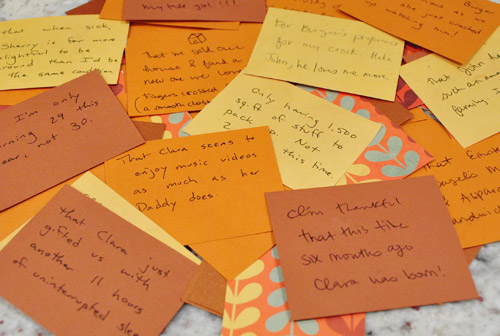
point(196, 10)
point(79, 269)
point(453, 29)
point(368, 247)
point(59, 134)
point(181, 69)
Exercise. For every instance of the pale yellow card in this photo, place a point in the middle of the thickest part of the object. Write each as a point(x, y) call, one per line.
point(315, 141)
point(94, 188)
point(50, 51)
point(466, 98)
point(327, 52)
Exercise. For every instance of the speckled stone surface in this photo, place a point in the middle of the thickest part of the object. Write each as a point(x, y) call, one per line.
point(470, 318)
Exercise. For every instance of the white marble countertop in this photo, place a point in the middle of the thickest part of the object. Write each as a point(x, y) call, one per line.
point(469, 318)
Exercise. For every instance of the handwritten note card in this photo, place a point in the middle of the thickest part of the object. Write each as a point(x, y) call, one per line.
point(315, 141)
point(59, 134)
point(191, 186)
point(323, 7)
point(178, 69)
point(197, 10)
point(49, 51)
point(367, 247)
point(468, 179)
point(91, 186)
point(88, 272)
point(453, 29)
point(466, 99)
point(331, 53)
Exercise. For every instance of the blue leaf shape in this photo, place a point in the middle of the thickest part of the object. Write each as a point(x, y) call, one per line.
point(175, 118)
point(306, 88)
point(276, 275)
point(331, 95)
point(309, 327)
point(394, 145)
point(376, 156)
point(274, 252)
point(347, 102)
point(277, 298)
point(278, 321)
point(380, 135)
point(181, 132)
point(411, 161)
point(363, 113)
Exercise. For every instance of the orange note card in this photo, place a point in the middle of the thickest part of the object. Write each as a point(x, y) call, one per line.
point(232, 255)
point(367, 247)
point(468, 178)
point(195, 10)
point(178, 69)
point(453, 29)
point(79, 269)
point(323, 7)
point(59, 134)
point(191, 186)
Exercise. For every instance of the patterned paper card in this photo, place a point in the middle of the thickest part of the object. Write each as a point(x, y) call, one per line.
point(256, 304)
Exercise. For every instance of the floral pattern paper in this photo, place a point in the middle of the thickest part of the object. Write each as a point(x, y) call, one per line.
point(256, 304)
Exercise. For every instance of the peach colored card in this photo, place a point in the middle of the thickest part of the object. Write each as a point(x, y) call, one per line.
point(453, 29)
point(59, 134)
point(180, 69)
point(468, 178)
point(79, 269)
point(367, 247)
point(191, 186)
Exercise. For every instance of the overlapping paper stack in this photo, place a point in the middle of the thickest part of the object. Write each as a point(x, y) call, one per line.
point(154, 152)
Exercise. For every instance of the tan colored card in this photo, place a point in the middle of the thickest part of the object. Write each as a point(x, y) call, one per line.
point(315, 141)
point(327, 52)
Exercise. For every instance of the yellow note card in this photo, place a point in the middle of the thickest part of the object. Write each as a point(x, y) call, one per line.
point(49, 51)
point(97, 190)
point(466, 98)
point(315, 141)
point(327, 52)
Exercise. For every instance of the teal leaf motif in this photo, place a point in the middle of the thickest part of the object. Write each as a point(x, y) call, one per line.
point(274, 253)
point(394, 145)
point(347, 102)
point(363, 113)
point(306, 88)
point(277, 298)
point(309, 327)
point(331, 95)
point(276, 275)
point(411, 161)
point(278, 321)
